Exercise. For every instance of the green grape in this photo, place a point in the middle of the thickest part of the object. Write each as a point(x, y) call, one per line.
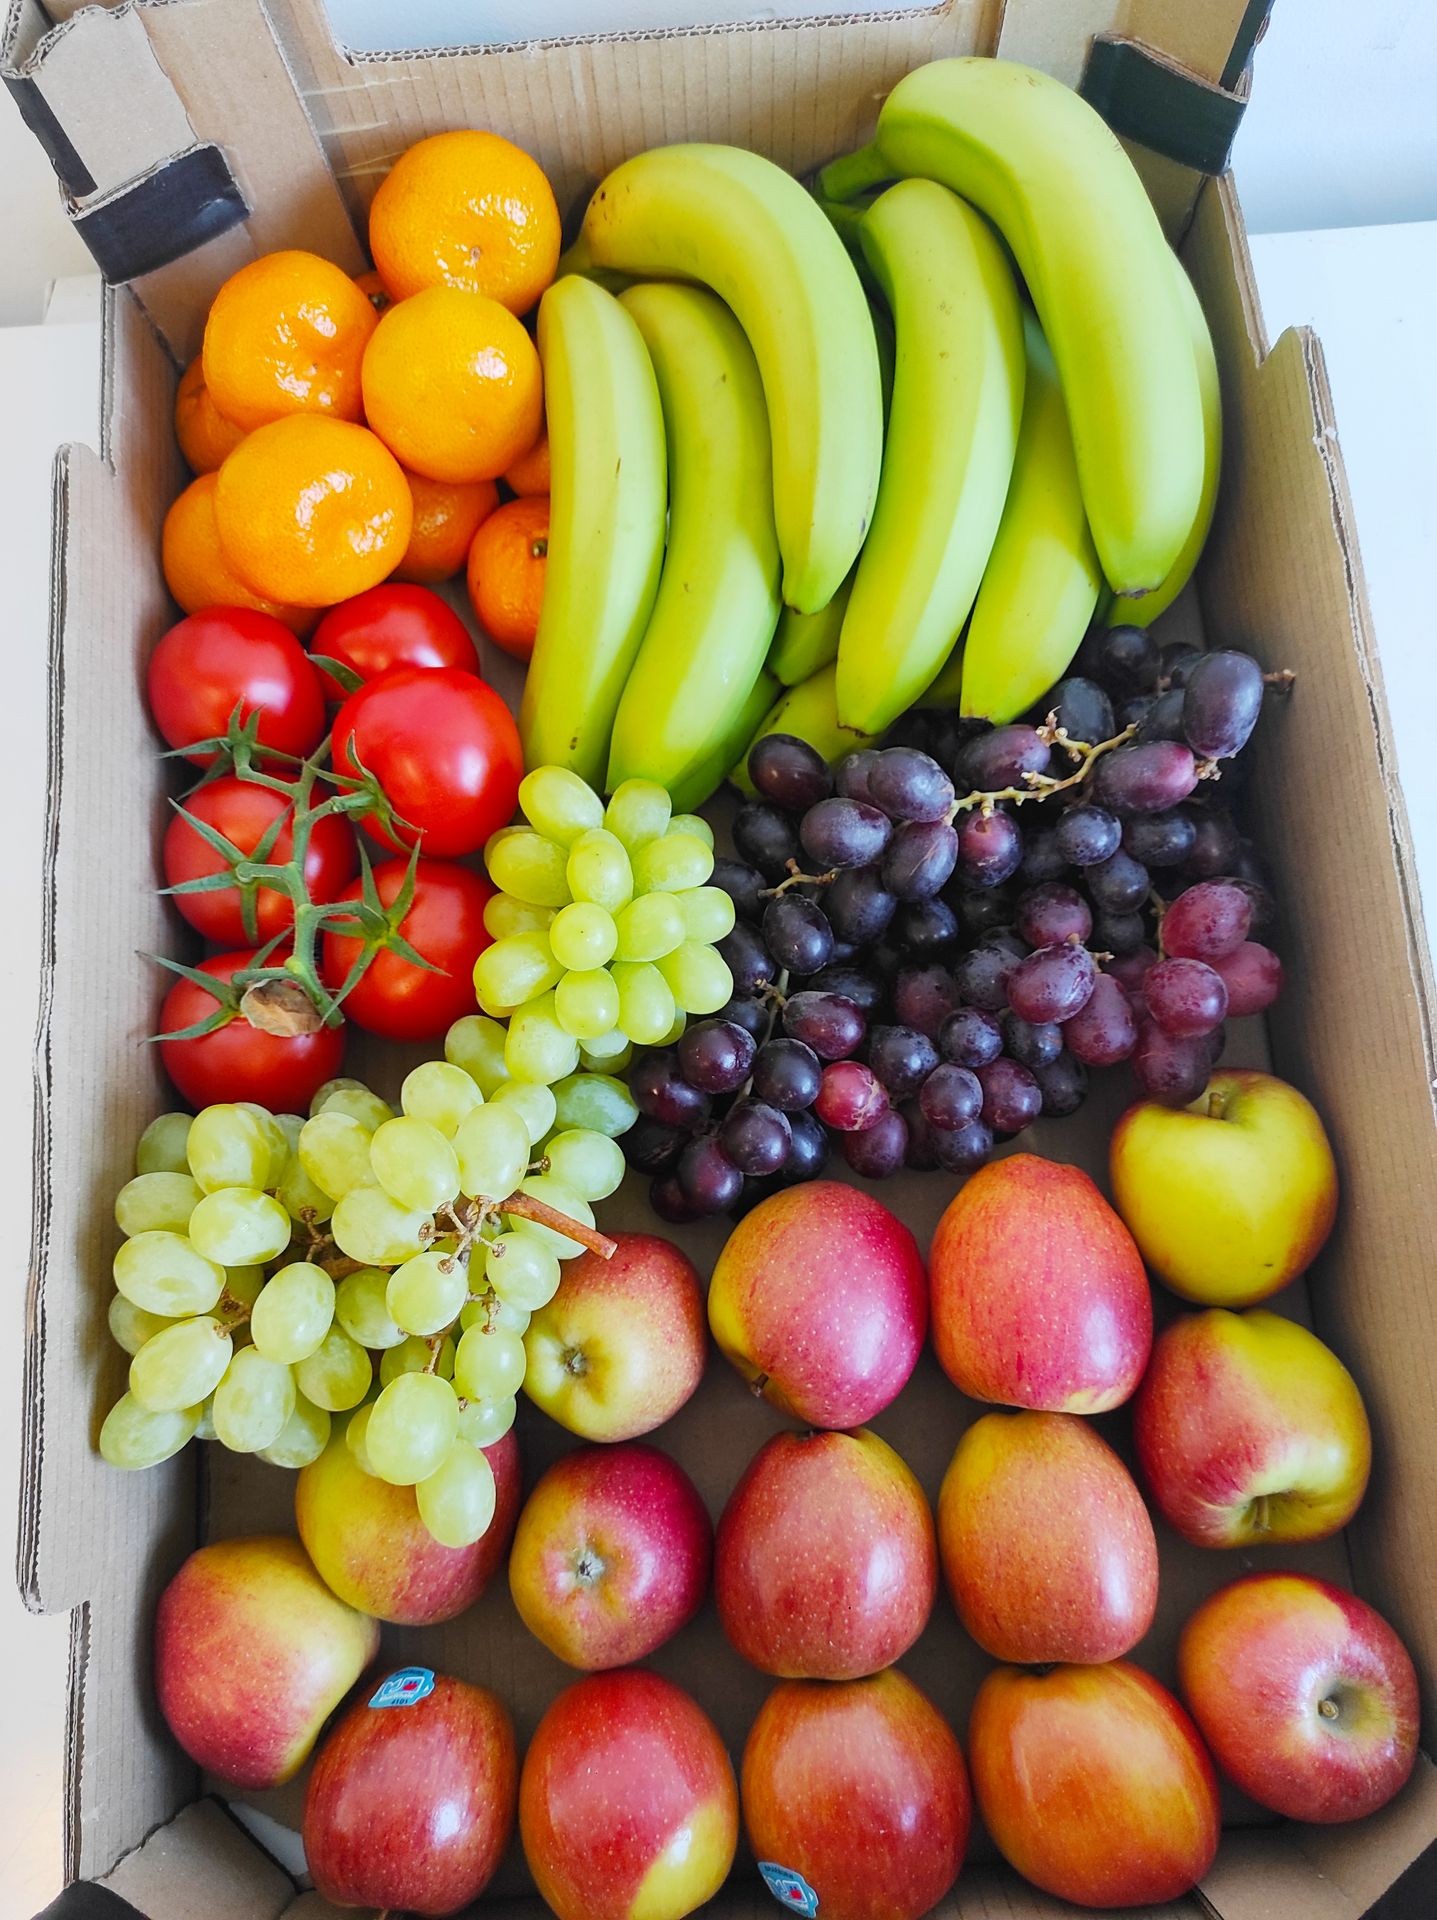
point(672, 865)
point(239, 1227)
point(649, 927)
point(163, 1273)
point(591, 1163)
point(412, 1356)
point(676, 1031)
point(275, 1134)
point(477, 1045)
point(132, 1326)
point(587, 1004)
point(361, 1308)
point(156, 1203)
point(538, 1050)
point(611, 1052)
point(559, 804)
point(411, 1427)
point(595, 1101)
point(205, 1425)
point(456, 1502)
point(599, 872)
point(514, 971)
point(242, 1285)
point(638, 812)
point(440, 1093)
point(554, 1193)
point(330, 1088)
point(337, 1374)
point(293, 1312)
point(414, 1164)
point(253, 1402)
point(530, 867)
point(505, 1315)
point(698, 977)
point(228, 1147)
point(371, 1227)
point(354, 1099)
point(707, 912)
point(503, 915)
point(334, 1152)
point(492, 1148)
point(291, 1125)
point(646, 1002)
point(181, 1365)
point(583, 936)
point(302, 1438)
point(484, 1421)
point(523, 1273)
point(132, 1436)
point(489, 1366)
point(694, 824)
point(534, 1104)
point(426, 1293)
point(355, 1431)
point(299, 1196)
point(163, 1145)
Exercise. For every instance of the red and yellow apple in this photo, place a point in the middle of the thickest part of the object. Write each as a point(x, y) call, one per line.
point(1094, 1783)
point(628, 1808)
point(621, 1345)
point(825, 1564)
point(411, 1802)
point(1231, 1197)
point(368, 1542)
point(1039, 1296)
point(1248, 1429)
point(1305, 1694)
point(859, 1791)
point(252, 1655)
point(820, 1300)
point(611, 1555)
point(1046, 1545)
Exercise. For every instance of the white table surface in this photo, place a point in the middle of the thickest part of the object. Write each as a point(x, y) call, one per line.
point(1371, 293)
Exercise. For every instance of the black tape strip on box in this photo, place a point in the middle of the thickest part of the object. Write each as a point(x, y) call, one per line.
point(164, 215)
point(35, 110)
point(1161, 106)
point(83, 1900)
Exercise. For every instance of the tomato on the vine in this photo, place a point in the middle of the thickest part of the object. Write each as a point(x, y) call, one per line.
point(237, 1061)
point(445, 923)
point(445, 750)
point(244, 812)
point(392, 625)
point(226, 657)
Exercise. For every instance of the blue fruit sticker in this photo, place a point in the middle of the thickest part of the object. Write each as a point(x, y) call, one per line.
point(403, 1687)
point(790, 1889)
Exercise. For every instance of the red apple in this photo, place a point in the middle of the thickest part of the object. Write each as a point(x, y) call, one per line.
point(411, 1801)
point(1093, 1783)
point(1039, 1295)
point(1306, 1696)
point(820, 1300)
point(855, 1798)
point(611, 1555)
point(369, 1543)
point(621, 1345)
point(252, 1655)
point(627, 1803)
point(1047, 1547)
point(825, 1565)
point(1231, 1197)
point(1249, 1429)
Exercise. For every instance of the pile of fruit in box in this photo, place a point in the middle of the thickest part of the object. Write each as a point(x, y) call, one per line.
point(862, 496)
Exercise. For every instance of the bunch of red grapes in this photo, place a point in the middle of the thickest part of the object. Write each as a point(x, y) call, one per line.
point(939, 939)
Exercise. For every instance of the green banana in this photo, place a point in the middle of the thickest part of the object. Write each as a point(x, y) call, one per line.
point(705, 780)
point(952, 432)
point(747, 229)
point(1144, 610)
point(805, 642)
point(1054, 179)
point(718, 600)
point(809, 711)
point(1043, 575)
point(606, 524)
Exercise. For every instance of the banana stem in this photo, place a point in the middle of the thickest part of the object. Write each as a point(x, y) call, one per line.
point(846, 220)
point(853, 174)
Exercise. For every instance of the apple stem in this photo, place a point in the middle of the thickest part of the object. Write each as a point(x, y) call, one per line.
point(1329, 1709)
point(1214, 1104)
point(526, 1207)
point(757, 1385)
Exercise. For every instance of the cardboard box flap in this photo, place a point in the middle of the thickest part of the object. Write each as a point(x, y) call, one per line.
point(202, 1847)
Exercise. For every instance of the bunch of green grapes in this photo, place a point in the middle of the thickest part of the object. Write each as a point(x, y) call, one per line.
point(603, 929)
point(277, 1271)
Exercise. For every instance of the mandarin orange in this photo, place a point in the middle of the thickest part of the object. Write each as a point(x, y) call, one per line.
point(285, 335)
point(530, 472)
point(205, 436)
point(447, 516)
point(507, 564)
point(196, 570)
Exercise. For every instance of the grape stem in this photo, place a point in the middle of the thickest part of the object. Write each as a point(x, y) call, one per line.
point(525, 1207)
point(1042, 786)
point(797, 879)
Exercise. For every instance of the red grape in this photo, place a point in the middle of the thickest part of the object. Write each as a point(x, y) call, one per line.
point(951, 1097)
point(1117, 883)
point(1146, 779)
point(1085, 835)
point(651, 1146)
point(1001, 758)
point(1034, 1042)
point(756, 1137)
point(748, 960)
point(1129, 656)
point(797, 933)
point(990, 847)
point(1050, 914)
point(1207, 921)
point(1011, 1096)
point(970, 1038)
point(1129, 969)
point(1185, 997)
point(1221, 703)
point(709, 1180)
point(909, 785)
point(963, 1150)
point(1168, 1068)
point(844, 833)
point(1063, 1084)
point(789, 772)
point(832, 1026)
point(809, 1150)
point(902, 1058)
point(716, 1055)
point(661, 1091)
point(1082, 709)
point(1053, 983)
point(858, 905)
point(923, 997)
point(786, 1075)
point(1106, 1029)
point(1252, 975)
point(878, 1151)
point(850, 1098)
point(765, 838)
point(920, 858)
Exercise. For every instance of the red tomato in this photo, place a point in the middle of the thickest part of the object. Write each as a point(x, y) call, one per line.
point(237, 1061)
point(445, 923)
point(223, 657)
point(243, 813)
point(392, 625)
point(444, 748)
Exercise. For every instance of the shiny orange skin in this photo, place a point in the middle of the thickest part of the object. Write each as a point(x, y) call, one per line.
point(452, 385)
point(285, 335)
point(197, 571)
point(466, 209)
point(1047, 1548)
point(508, 561)
point(1094, 1783)
point(312, 511)
point(447, 515)
point(205, 436)
point(861, 1788)
point(531, 473)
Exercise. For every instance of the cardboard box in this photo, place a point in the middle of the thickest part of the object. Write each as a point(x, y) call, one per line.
point(193, 135)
